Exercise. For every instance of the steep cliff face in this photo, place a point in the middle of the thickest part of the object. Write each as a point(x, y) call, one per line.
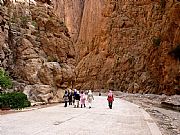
point(129, 45)
point(91, 20)
point(70, 12)
point(42, 55)
point(83, 20)
point(123, 45)
point(5, 52)
point(89, 28)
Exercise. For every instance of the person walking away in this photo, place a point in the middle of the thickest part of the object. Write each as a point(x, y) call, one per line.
point(82, 99)
point(65, 98)
point(70, 96)
point(90, 98)
point(77, 99)
point(110, 99)
point(74, 94)
point(99, 93)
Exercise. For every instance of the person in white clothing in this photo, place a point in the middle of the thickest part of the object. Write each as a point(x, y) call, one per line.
point(90, 98)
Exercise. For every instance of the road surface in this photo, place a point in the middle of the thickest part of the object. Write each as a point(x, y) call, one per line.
point(124, 119)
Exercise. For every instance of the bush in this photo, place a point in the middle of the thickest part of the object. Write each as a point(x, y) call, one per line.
point(52, 59)
point(156, 41)
point(34, 24)
point(14, 100)
point(163, 4)
point(176, 52)
point(61, 23)
point(5, 81)
point(24, 21)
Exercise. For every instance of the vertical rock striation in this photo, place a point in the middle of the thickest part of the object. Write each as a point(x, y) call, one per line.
point(128, 45)
point(70, 12)
point(131, 46)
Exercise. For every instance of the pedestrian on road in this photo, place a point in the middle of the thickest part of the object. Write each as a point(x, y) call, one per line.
point(77, 99)
point(70, 96)
point(110, 99)
point(82, 99)
point(65, 98)
point(90, 98)
point(74, 94)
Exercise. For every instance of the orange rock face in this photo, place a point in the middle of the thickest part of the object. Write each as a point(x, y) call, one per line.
point(70, 12)
point(43, 54)
point(128, 45)
point(131, 46)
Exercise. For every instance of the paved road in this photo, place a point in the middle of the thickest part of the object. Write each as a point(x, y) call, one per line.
point(124, 119)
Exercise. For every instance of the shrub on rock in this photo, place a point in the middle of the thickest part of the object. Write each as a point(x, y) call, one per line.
point(5, 81)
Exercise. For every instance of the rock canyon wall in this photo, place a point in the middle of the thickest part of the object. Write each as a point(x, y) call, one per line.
point(125, 45)
point(37, 51)
point(70, 12)
point(131, 46)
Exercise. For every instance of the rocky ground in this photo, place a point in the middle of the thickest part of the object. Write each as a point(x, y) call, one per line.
point(167, 117)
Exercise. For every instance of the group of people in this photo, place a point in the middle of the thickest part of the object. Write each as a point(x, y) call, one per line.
point(77, 98)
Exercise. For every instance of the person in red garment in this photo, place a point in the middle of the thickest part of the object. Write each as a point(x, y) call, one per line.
point(110, 99)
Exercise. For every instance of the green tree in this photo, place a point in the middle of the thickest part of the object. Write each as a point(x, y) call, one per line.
point(5, 81)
